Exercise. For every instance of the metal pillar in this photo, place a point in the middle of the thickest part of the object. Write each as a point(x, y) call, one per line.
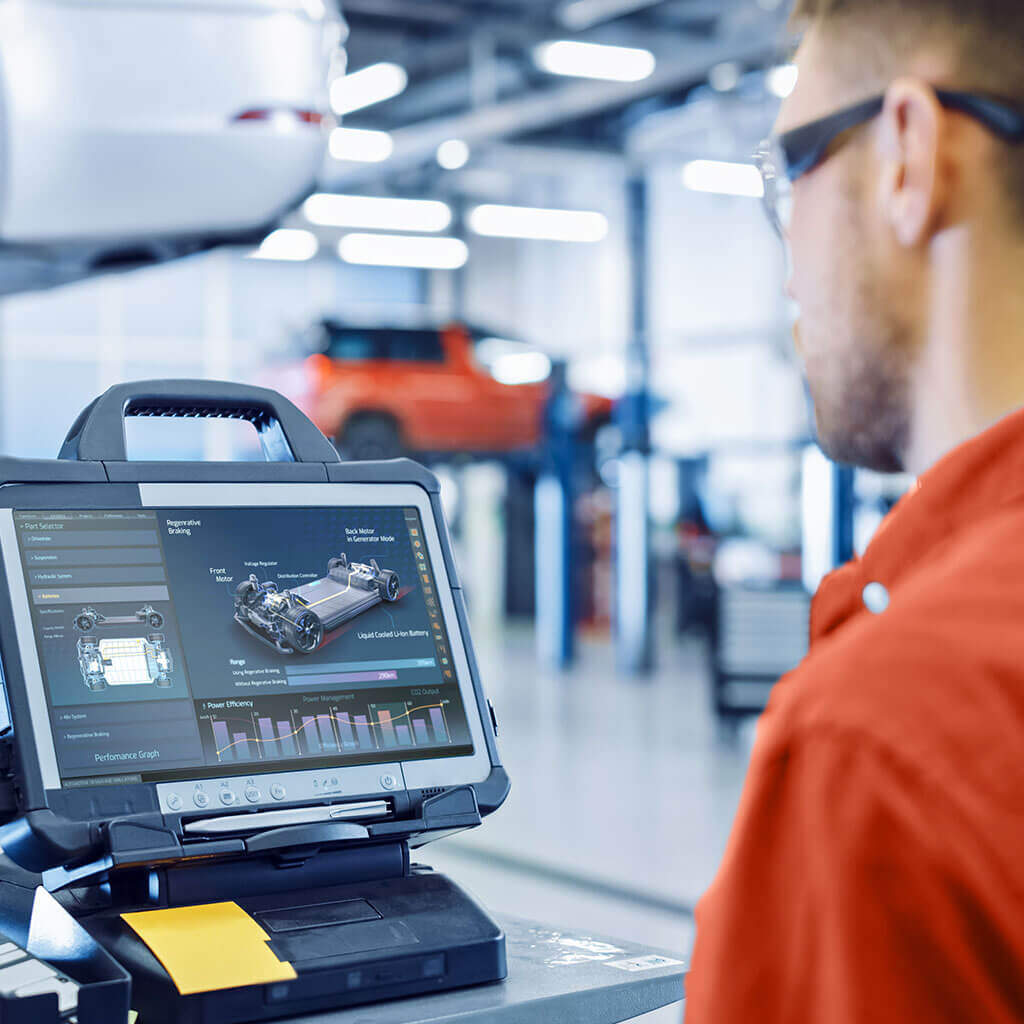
point(554, 498)
point(843, 502)
point(633, 630)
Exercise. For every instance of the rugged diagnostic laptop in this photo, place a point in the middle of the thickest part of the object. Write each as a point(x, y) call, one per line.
point(244, 684)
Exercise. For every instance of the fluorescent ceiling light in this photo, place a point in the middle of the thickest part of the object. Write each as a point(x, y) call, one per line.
point(404, 251)
point(592, 60)
point(782, 80)
point(546, 225)
point(521, 368)
point(373, 84)
point(288, 244)
point(380, 214)
point(512, 362)
point(488, 350)
point(453, 154)
point(729, 179)
point(360, 144)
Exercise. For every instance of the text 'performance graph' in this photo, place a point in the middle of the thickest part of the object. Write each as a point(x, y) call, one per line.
point(328, 729)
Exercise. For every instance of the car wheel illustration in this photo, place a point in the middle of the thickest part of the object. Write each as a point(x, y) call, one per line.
point(305, 633)
point(388, 585)
point(84, 623)
point(156, 620)
point(245, 594)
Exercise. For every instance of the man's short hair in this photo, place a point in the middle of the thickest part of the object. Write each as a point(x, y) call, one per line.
point(982, 41)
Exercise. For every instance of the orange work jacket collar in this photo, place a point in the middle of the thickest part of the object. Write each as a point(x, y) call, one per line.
point(958, 492)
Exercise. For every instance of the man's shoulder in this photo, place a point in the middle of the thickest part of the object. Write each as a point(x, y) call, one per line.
point(939, 675)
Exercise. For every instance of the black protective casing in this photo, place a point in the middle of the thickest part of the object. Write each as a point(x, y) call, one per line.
point(118, 833)
point(427, 925)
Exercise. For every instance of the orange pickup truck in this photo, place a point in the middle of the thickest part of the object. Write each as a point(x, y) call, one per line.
point(385, 391)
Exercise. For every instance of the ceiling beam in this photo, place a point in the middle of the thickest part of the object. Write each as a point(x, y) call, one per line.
point(583, 14)
point(548, 108)
point(436, 12)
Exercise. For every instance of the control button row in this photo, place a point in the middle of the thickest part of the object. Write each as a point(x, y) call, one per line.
point(227, 797)
point(254, 794)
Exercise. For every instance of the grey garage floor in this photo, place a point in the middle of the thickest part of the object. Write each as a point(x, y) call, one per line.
point(623, 793)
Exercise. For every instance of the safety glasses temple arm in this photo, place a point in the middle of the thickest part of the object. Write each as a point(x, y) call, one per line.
point(805, 147)
point(996, 115)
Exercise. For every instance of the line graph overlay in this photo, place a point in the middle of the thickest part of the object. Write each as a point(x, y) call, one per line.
point(382, 727)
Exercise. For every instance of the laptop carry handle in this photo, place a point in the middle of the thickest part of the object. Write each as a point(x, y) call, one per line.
point(286, 435)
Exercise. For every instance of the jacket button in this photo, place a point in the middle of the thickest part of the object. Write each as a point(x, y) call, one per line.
point(876, 598)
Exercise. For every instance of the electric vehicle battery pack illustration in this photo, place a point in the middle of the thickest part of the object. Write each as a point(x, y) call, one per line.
point(124, 661)
point(297, 620)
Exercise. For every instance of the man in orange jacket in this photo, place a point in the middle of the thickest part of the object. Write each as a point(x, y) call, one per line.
point(876, 866)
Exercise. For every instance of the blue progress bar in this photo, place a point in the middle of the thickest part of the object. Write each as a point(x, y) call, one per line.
point(359, 666)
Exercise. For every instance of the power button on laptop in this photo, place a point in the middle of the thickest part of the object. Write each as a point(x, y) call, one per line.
point(388, 781)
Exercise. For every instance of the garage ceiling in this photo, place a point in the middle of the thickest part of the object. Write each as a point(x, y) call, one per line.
point(472, 76)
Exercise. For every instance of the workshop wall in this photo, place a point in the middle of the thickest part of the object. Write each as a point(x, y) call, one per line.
point(215, 316)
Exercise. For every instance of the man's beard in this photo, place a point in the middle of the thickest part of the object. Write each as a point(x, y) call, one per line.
point(860, 377)
point(862, 410)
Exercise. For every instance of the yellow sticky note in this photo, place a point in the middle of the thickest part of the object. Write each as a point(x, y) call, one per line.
point(209, 947)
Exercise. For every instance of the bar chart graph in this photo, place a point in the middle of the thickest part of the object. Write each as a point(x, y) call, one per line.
point(327, 729)
point(406, 725)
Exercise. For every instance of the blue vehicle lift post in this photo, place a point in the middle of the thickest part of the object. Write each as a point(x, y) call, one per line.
point(843, 506)
point(554, 500)
point(633, 632)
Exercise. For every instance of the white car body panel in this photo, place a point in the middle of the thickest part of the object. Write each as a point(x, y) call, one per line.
point(117, 115)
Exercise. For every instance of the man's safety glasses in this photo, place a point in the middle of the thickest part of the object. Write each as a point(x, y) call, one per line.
point(783, 159)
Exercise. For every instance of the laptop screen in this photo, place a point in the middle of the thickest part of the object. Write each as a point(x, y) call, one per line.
point(185, 644)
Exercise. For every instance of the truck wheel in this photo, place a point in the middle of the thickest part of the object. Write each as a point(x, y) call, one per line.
point(388, 585)
point(370, 438)
point(84, 623)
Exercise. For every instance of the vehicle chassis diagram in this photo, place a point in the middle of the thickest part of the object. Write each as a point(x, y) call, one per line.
point(297, 620)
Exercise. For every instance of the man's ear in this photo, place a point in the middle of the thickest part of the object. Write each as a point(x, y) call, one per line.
point(913, 188)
